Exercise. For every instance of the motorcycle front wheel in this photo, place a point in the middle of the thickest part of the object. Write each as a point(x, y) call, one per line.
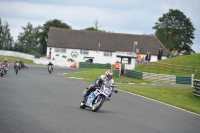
point(82, 105)
point(16, 71)
point(97, 105)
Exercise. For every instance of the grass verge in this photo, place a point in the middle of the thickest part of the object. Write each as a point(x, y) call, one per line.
point(179, 97)
point(12, 59)
point(90, 75)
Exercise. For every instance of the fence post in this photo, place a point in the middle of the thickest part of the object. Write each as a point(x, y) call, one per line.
point(192, 80)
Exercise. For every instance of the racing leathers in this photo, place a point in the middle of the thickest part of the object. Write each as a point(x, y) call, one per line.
point(5, 64)
point(97, 84)
point(17, 64)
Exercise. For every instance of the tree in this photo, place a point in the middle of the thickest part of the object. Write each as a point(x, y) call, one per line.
point(27, 40)
point(6, 40)
point(91, 29)
point(43, 35)
point(175, 30)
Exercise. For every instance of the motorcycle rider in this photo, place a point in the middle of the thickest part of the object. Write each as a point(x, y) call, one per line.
point(15, 64)
point(98, 82)
point(5, 63)
point(50, 64)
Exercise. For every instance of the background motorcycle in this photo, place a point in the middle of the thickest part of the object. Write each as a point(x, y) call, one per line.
point(96, 99)
point(17, 66)
point(50, 69)
point(2, 70)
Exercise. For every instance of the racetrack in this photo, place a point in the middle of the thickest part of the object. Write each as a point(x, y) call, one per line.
point(35, 101)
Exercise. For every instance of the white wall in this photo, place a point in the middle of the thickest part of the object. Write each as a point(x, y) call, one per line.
point(16, 54)
point(98, 56)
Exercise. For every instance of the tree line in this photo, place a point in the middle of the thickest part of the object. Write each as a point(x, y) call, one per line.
point(173, 29)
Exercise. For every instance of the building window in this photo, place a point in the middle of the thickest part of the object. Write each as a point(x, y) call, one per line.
point(107, 53)
point(85, 52)
point(63, 50)
point(57, 50)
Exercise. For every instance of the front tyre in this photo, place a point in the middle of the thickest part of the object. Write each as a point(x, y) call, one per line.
point(16, 71)
point(97, 105)
point(82, 105)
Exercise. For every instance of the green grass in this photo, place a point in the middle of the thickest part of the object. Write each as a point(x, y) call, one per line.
point(12, 59)
point(91, 74)
point(186, 60)
point(179, 97)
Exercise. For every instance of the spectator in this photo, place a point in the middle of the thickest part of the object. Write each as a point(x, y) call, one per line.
point(160, 53)
point(148, 57)
point(139, 57)
point(117, 64)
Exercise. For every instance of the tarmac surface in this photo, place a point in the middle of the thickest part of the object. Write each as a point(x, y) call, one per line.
point(35, 101)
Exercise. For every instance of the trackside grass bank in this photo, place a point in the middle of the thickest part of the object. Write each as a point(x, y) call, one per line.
point(12, 59)
point(192, 61)
point(179, 97)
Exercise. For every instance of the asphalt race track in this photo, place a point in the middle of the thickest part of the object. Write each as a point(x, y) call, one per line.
point(35, 101)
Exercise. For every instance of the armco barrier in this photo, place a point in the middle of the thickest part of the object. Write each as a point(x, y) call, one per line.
point(94, 65)
point(161, 78)
point(183, 80)
point(196, 87)
point(116, 73)
point(134, 74)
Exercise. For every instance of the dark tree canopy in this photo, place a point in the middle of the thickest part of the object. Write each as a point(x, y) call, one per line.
point(6, 40)
point(175, 30)
point(45, 30)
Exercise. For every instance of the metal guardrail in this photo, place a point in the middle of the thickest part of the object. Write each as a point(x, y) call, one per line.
point(196, 87)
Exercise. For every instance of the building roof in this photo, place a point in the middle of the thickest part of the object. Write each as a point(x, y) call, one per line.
point(111, 42)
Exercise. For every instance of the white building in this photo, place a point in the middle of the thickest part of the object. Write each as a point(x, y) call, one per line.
point(100, 47)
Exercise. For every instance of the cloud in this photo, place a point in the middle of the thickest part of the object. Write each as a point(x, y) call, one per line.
point(128, 16)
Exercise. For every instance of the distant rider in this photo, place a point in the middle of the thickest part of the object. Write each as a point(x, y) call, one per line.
point(15, 64)
point(98, 82)
point(6, 64)
point(50, 64)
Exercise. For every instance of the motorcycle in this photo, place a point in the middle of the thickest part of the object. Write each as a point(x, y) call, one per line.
point(23, 65)
point(96, 99)
point(17, 66)
point(50, 69)
point(2, 70)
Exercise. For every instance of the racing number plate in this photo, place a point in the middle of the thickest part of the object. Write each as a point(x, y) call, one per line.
point(96, 92)
point(107, 91)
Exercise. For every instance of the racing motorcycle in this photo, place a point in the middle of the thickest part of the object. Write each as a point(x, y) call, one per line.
point(96, 99)
point(50, 69)
point(17, 66)
point(2, 70)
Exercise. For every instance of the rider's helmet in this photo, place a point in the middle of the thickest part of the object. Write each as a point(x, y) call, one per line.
point(109, 74)
point(5, 61)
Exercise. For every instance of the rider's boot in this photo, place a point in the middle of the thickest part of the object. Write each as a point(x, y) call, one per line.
point(85, 96)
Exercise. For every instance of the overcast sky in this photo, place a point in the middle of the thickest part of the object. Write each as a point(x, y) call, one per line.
point(119, 16)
